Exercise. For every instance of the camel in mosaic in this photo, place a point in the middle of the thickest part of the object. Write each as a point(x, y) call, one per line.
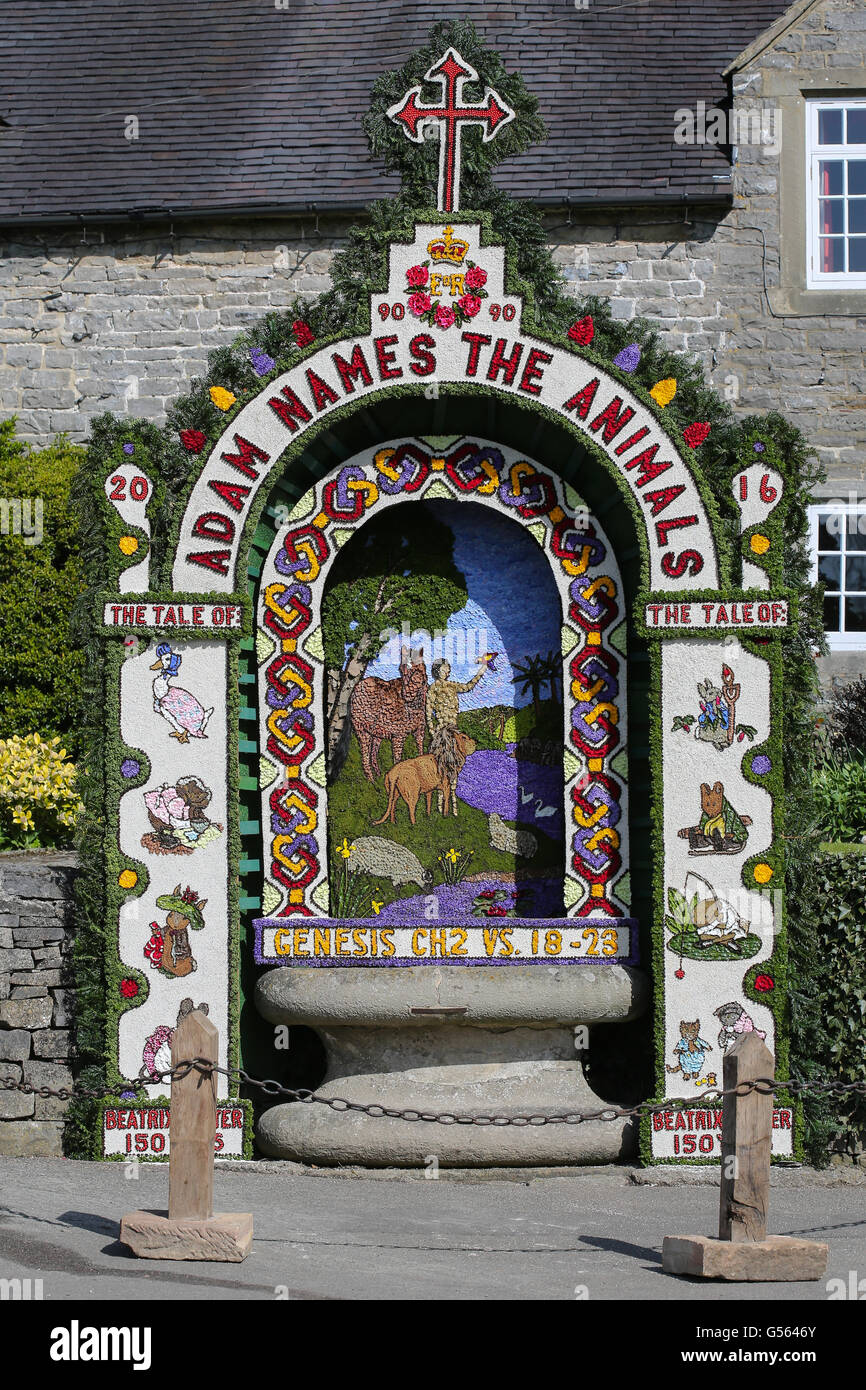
point(381, 710)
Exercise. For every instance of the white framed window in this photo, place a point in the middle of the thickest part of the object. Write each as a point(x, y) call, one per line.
point(838, 544)
point(836, 213)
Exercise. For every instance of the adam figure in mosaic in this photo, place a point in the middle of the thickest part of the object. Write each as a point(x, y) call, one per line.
point(443, 709)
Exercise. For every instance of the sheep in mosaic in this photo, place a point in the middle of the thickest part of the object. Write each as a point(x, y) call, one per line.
point(521, 843)
point(385, 859)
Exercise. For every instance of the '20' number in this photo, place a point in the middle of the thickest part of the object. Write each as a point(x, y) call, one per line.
point(138, 488)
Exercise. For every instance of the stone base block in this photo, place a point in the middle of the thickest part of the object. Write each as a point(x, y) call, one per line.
point(31, 1139)
point(312, 1134)
point(775, 1260)
point(227, 1236)
point(459, 1071)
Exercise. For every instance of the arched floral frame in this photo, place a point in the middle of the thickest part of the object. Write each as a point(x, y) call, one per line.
point(291, 654)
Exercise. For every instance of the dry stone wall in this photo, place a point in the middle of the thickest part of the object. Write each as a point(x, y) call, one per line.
point(36, 997)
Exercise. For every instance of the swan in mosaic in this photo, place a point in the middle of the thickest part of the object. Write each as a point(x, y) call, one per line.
point(541, 811)
point(188, 718)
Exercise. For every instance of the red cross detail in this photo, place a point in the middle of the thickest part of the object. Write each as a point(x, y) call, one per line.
point(452, 71)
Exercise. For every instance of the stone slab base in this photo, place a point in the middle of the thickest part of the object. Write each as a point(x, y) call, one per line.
point(456, 1069)
point(227, 1236)
point(777, 1259)
point(31, 1139)
point(313, 1134)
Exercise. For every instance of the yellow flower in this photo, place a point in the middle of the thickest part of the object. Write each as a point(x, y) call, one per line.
point(664, 391)
point(35, 777)
point(222, 399)
point(128, 879)
point(128, 544)
point(763, 873)
point(759, 544)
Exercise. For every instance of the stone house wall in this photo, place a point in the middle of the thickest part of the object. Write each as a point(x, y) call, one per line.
point(36, 997)
point(121, 317)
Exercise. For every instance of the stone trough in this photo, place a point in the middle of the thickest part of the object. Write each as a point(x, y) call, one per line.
point(450, 1039)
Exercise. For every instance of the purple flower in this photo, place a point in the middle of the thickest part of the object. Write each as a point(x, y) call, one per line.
point(761, 764)
point(262, 364)
point(130, 768)
point(129, 448)
point(127, 1095)
point(628, 359)
point(759, 448)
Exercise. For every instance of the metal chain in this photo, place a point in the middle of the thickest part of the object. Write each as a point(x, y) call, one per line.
point(764, 1085)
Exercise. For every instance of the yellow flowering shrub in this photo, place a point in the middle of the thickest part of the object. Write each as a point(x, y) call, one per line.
point(39, 805)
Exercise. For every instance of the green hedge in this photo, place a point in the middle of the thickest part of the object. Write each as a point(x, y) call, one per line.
point(40, 670)
point(840, 797)
point(827, 984)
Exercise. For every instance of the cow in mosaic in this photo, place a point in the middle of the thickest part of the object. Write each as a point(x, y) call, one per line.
point(393, 709)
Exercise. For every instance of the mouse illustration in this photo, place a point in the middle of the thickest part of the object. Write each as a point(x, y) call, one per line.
point(720, 829)
point(734, 1021)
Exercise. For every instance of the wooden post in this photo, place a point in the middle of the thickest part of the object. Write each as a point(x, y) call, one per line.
point(747, 1126)
point(190, 1230)
point(193, 1121)
point(744, 1252)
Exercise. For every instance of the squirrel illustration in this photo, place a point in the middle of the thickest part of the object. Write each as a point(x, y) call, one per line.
point(720, 829)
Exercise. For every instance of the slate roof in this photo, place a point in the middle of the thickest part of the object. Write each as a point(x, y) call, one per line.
point(245, 106)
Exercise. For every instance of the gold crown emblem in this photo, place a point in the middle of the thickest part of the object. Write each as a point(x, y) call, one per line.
point(448, 248)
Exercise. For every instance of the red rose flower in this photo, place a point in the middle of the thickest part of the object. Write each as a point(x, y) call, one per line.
point(193, 440)
point(304, 334)
point(764, 983)
point(475, 278)
point(419, 304)
point(583, 331)
point(417, 275)
point(444, 315)
point(495, 912)
point(470, 304)
point(129, 988)
point(696, 434)
point(488, 894)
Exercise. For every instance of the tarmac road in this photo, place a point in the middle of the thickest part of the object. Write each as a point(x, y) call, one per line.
point(594, 1234)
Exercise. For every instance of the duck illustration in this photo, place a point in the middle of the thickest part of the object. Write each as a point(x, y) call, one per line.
point(177, 706)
